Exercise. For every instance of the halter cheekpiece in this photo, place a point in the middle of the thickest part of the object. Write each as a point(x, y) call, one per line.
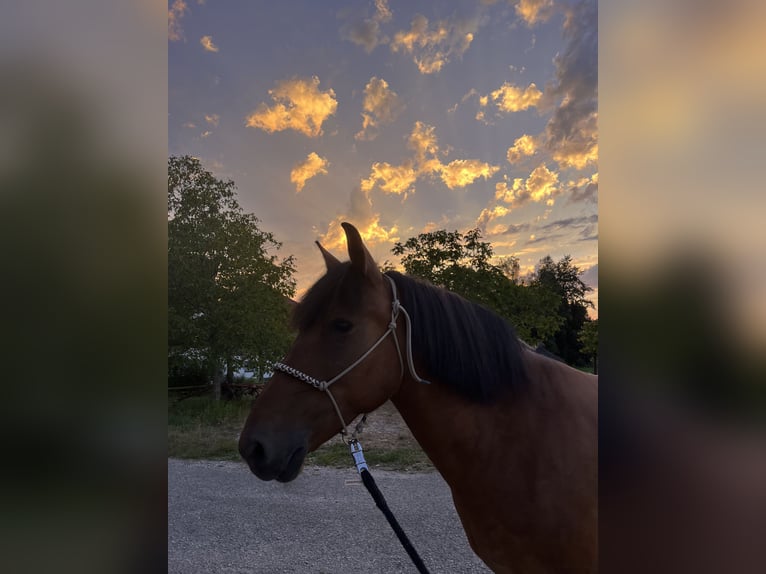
point(396, 308)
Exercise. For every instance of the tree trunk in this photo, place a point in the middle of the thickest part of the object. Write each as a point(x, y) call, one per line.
point(229, 372)
point(217, 380)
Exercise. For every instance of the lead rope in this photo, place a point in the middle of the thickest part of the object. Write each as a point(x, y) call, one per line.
point(380, 502)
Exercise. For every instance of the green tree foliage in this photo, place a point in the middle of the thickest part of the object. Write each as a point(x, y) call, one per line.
point(463, 264)
point(562, 278)
point(228, 293)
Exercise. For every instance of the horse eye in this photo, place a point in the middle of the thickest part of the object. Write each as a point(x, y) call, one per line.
point(342, 325)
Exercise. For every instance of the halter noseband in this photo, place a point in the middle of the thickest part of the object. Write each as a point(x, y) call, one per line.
point(396, 307)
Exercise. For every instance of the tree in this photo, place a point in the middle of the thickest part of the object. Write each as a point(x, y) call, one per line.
point(588, 337)
point(462, 263)
point(562, 279)
point(228, 294)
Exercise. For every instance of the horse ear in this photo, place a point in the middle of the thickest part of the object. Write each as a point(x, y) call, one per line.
point(330, 260)
point(361, 260)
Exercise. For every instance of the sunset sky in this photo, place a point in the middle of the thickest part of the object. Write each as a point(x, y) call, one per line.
point(399, 116)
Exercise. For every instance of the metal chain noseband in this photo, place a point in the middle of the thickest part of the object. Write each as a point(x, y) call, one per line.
point(396, 307)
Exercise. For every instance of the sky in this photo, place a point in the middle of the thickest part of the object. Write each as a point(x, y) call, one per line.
point(398, 116)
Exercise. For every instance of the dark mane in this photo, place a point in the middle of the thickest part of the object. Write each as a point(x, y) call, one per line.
point(461, 344)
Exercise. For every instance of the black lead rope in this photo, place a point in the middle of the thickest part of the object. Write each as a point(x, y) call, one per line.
point(380, 502)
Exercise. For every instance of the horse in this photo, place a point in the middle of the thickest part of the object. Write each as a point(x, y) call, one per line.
point(512, 432)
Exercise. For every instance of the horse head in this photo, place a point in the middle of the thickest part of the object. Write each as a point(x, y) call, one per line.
point(345, 314)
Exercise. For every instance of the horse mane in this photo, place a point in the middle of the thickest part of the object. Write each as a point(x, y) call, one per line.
point(461, 344)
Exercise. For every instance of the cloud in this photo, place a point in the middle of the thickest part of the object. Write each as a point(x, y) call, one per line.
point(361, 214)
point(395, 179)
point(400, 179)
point(381, 106)
point(463, 172)
point(584, 190)
point(509, 194)
point(572, 132)
point(523, 146)
point(573, 222)
point(299, 106)
point(533, 239)
point(176, 11)
point(382, 11)
point(510, 98)
point(207, 44)
point(534, 11)
point(313, 165)
point(489, 214)
point(212, 119)
point(367, 32)
point(432, 47)
point(517, 228)
point(542, 184)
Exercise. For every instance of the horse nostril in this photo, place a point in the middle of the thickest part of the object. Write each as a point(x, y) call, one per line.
point(259, 453)
point(252, 451)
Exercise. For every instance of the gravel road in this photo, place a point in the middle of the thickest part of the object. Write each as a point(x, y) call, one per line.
point(223, 519)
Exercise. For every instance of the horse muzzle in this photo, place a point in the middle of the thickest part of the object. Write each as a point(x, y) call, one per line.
point(272, 458)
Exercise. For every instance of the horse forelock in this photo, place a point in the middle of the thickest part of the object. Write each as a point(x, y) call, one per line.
point(340, 283)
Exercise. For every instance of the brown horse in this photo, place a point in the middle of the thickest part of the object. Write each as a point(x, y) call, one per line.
point(512, 432)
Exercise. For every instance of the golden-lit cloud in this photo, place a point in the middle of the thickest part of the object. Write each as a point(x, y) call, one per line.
point(299, 105)
point(489, 214)
point(361, 214)
point(381, 105)
point(176, 11)
point(509, 194)
point(382, 11)
point(463, 172)
point(524, 146)
point(422, 141)
point(395, 179)
point(212, 119)
point(510, 98)
point(585, 189)
point(577, 154)
point(542, 183)
point(207, 44)
point(534, 11)
point(371, 230)
point(432, 47)
point(313, 165)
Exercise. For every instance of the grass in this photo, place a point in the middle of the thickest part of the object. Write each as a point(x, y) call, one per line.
point(200, 428)
point(337, 455)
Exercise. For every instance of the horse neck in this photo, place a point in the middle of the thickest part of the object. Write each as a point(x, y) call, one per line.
point(451, 429)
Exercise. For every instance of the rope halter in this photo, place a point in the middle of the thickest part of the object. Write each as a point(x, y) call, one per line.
point(396, 308)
